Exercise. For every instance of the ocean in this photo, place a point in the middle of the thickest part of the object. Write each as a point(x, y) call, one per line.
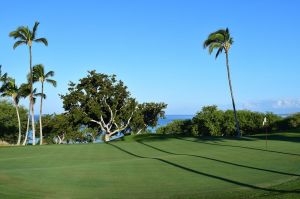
point(169, 118)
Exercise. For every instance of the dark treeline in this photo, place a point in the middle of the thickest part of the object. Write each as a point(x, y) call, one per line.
point(211, 121)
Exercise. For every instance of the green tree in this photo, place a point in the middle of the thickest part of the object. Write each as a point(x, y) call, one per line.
point(25, 36)
point(209, 121)
point(222, 40)
point(147, 115)
point(100, 101)
point(9, 124)
point(10, 89)
point(39, 75)
point(58, 128)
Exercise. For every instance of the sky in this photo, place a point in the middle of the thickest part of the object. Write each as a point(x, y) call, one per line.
point(156, 48)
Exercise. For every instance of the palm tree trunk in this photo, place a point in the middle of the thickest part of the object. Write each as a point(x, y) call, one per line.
point(31, 96)
point(32, 124)
point(19, 122)
point(41, 107)
point(27, 129)
point(232, 98)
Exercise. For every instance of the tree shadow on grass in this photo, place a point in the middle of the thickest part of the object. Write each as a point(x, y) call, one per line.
point(205, 174)
point(221, 161)
point(236, 146)
point(277, 137)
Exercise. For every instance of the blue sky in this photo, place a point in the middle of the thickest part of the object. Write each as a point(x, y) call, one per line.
point(155, 47)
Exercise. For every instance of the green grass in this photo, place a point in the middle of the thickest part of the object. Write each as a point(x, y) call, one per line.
point(155, 167)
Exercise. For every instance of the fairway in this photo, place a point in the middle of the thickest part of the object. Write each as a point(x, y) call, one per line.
point(155, 167)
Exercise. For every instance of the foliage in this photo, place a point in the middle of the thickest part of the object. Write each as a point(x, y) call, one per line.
point(211, 121)
point(9, 123)
point(176, 127)
point(26, 36)
point(60, 125)
point(290, 122)
point(222, 40)
point(147, 115)
point(39, 75)
point(101, 102)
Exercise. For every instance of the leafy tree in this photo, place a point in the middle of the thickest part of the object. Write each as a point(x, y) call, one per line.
point(25, 36)
point(100, 101)
point(90, 134)
point(290, 122)
point(10, 89)
point(147, 115)
point(272, 121)
point(39, 75)
point(222, 40)
point(209, 121)
point(9, 127)
point(60, 128)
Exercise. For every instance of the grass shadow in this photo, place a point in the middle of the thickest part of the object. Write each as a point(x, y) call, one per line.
point(278, 137)
point(220, 161)
point(205, 174)
point(236, 146)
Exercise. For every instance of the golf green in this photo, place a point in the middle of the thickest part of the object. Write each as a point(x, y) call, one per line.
point(155, 167)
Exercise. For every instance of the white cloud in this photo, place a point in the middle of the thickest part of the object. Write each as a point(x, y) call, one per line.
point(281, 106)
point(287, 103)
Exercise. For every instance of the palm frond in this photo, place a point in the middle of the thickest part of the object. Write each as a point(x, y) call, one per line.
point(41, 40)
point(25, 32)
point(38, 70)
point(230, 40)
point(213, 46)
point(36, 24)
point(43, 95)
point(218, 52)
point(217, 37)
point(220, 31)
point(51, 81)
point(18, 33)
point(18, 43)
point(24, 90)
point(218, 40)
point(49, 74)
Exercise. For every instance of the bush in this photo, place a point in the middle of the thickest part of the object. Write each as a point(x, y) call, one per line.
point(290, 122)
point(209, 121)
point(213, 122)
point(176, 127)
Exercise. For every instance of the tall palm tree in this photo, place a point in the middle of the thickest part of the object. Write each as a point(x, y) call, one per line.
point(40, 76)
point(26, 36)
point(10, 89)
point(222, 41)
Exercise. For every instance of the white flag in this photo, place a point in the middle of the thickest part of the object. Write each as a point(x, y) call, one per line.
point(265, 121)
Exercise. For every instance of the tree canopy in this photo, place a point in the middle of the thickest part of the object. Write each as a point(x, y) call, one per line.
point(102, 102)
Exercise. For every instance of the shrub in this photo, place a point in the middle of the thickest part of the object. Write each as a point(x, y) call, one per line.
point(209, 121)
point(290, 122)
point(176, 127)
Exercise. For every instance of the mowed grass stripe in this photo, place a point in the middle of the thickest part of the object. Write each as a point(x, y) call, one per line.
point(148, 168)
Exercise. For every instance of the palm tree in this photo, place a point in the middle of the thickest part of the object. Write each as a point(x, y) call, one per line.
point(39, 75)
point(3, 78)
point(9, 88)
point(25, 92)
point(221, 40)
point(26, 36)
